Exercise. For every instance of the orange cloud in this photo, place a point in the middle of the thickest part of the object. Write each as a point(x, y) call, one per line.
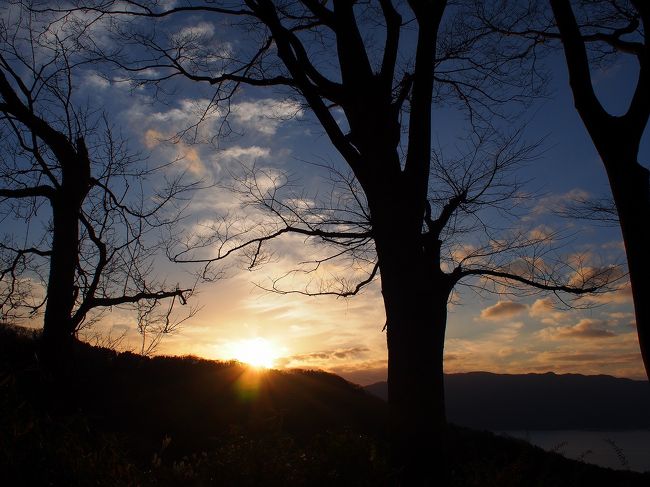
point(502, 309)
point(585, 328)
point(544, 309)
point(322, 358)
point(193, 159)
point(622, 295)
point(621, 360)
point(586, 276)
point(542, 232)
point(152, 138)
point(541, 307)
point(555, 202)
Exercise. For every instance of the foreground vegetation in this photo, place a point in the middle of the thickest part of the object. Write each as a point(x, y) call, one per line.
point(122, 419)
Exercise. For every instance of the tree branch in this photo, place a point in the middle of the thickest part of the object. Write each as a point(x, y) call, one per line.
point(578, 64)
point(141, 296)
point(459, 274)
point(43, 191)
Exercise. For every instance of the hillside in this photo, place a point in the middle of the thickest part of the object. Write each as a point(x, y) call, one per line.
point(193, 400)
point(542, 401)
point(124, 420)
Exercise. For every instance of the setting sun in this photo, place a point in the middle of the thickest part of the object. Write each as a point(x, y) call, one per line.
point(256, 352)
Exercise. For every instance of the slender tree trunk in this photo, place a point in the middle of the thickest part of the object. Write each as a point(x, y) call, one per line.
point(630, 184)
point(618, 146)
point(636, 233)
point(617, 139)
point(57, 329)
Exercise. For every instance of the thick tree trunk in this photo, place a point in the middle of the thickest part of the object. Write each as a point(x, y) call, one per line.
point(58, 326)
point(415, 298)
point(415, 336)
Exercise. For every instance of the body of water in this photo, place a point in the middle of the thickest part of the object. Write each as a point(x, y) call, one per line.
point(622, 450)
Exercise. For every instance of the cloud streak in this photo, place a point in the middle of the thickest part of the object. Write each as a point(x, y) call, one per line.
point(322, 358)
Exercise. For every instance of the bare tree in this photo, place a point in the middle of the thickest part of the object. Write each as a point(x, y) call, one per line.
point(383, 65)
point(592, 33)
point(619, 27)
point(78, 234)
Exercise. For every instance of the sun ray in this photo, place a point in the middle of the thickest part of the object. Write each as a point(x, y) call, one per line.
point(256, 352)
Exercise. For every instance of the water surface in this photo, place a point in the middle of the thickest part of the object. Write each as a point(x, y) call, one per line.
point(622, 450)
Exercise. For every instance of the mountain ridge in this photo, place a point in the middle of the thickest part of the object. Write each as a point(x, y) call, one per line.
point(546, 401)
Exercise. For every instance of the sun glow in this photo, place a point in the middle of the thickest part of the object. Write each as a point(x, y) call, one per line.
point(256, 352)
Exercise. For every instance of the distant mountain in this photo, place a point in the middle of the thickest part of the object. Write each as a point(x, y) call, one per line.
point(548, 401)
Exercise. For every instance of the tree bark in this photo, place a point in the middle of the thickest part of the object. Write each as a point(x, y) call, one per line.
point(630, 185)
point(617, 140)
point(415, 299)
point(635, 225)
point(417, 421)
point(58, 326)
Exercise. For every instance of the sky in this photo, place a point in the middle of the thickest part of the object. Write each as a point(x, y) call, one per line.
point(344, 335)
point(502, 334)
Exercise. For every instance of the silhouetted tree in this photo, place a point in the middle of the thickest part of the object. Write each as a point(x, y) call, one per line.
point(591, 33)
point(382, 65)
point(620, 26)
point(76, 238)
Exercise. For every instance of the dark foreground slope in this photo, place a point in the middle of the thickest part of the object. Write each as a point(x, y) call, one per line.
point(543, 401)
point(120, 419)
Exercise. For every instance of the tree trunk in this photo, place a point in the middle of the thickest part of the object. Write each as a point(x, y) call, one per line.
point(58, 326)
point(415, 299)
point(617, 139)
point(58, 332)
point(630, 184)
point(415, 336)
point(617, 142)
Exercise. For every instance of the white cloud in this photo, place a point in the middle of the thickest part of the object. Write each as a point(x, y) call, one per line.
point(265, 115)
point(239, 153)
point(93, 80)
point(555, 202)
point(200, 30)
point(185, 113)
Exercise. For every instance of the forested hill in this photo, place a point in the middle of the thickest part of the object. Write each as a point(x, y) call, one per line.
point(548, 401)
point(120, 419)
point(190, 399)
